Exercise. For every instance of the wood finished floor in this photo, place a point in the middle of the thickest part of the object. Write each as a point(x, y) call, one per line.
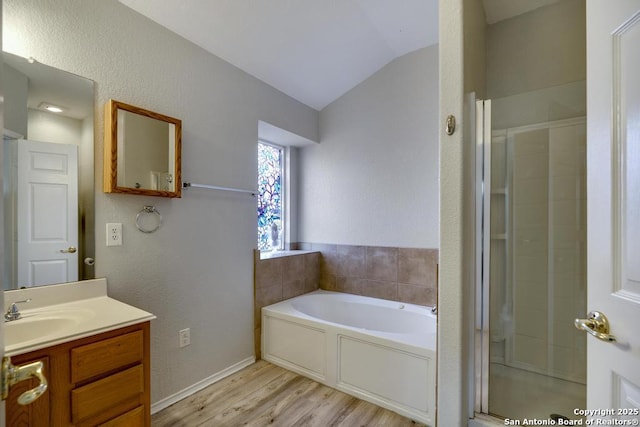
point(266, 395)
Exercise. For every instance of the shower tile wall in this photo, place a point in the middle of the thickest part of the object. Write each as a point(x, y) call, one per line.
point(549, 235)
point(530, 252)
point(567, 172)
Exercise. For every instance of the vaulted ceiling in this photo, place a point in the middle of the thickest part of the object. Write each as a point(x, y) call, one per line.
point(312, 50)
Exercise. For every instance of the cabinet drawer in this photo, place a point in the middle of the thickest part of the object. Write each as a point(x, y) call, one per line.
point(133, 418)
point(92, 399)
point(105, 356)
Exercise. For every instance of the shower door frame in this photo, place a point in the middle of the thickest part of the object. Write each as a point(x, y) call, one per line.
point(483, 135)
point(482, 110)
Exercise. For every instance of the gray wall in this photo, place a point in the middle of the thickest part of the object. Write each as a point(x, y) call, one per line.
point(195, 271)
point(475, 39)
point(50, 127)
point(16, 88)
point(542, 48)
point(538, 76)
point(373, 179)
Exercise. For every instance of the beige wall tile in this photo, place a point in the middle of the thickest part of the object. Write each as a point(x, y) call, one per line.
point(351, 261)
point(293, 289)
point(406, 274)
point(382, 263)
point(293, 268)
point(329, 263)
point(268, 295)
point(417, 266)
point(328, 282)
point(351, 285)
point(311, 285)
point(269, 272)
point(416, 294)
point(312, 270)
point(378, 289)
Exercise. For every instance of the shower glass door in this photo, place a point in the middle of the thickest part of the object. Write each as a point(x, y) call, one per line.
point(534, 193)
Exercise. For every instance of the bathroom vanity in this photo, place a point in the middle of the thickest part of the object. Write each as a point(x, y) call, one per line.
point(95, 352)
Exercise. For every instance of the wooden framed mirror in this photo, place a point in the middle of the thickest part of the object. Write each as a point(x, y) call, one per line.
point(141, 151)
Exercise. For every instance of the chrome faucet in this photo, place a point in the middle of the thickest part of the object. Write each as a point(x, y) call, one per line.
point(13, 313)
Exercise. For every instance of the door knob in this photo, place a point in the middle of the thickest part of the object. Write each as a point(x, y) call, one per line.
point(70, 250)
point(12, 374)
point(597, 325)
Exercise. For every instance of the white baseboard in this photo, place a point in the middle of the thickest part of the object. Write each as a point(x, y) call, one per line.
point(170, 400)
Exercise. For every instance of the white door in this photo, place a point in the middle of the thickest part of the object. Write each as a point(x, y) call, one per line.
point(613, 185)
point(47, 213)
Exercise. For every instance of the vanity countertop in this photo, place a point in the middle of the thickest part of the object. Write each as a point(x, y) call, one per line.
point(61, 313)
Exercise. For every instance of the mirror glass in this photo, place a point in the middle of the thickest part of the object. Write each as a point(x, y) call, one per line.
point(48, 174)
point(142, 151)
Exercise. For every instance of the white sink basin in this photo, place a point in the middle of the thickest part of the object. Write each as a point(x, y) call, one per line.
point(63, 313)
point(38, 325)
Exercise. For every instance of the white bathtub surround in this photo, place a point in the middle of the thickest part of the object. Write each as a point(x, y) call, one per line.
point(284, 274)
point(377, 350)
point(397, 274)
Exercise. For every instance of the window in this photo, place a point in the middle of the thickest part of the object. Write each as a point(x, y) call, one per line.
point(270, 196)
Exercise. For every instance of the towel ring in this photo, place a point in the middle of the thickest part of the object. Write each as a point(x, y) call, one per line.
point(146, 212)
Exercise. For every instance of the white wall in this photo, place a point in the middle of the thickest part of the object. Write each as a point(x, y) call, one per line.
point(50, 127)
point(373, 179)
point(452, 397)
point(196, 271)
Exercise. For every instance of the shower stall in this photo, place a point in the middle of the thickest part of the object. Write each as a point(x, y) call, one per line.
point(531, 253)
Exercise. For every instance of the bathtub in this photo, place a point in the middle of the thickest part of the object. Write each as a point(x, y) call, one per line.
point(377, 350)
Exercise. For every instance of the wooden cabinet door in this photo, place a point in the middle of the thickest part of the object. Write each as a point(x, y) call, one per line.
point(35, 414)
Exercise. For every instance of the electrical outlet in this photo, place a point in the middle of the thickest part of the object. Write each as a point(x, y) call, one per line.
point(184, 337)
point(114, 234)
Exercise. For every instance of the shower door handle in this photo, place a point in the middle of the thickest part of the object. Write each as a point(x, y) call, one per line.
point(597, 325)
